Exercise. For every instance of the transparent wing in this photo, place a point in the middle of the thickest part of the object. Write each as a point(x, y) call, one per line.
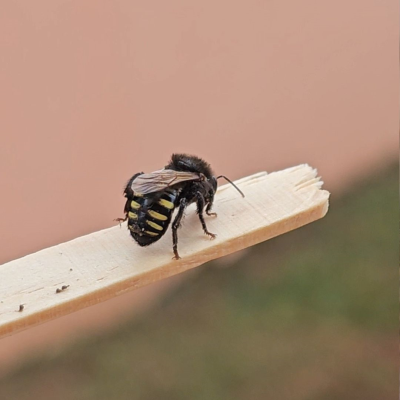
point(160, 180)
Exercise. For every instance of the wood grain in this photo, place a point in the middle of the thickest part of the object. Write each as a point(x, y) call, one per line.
point(107, 263)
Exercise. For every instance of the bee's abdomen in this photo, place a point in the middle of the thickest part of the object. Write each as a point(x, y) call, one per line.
point(150, 216)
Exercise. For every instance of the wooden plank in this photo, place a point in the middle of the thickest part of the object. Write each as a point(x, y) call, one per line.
point(107, 263)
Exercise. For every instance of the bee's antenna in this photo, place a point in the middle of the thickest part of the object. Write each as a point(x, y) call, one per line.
point(222, 176)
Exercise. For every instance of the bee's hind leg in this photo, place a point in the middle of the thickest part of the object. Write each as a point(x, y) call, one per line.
point(175, 226)
point(120, 220)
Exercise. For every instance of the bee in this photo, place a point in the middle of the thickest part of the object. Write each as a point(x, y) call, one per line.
point(152, 198)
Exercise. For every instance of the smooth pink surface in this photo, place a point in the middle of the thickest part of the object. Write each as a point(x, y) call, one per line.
point(94, 91)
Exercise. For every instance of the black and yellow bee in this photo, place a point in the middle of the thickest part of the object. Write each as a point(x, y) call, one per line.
point(152, 198)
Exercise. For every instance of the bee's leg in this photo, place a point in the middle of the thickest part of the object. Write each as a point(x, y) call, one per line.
point(175, 226)
point(200, 207)
point(126, 210)
point(120, 220)
point(208, 209)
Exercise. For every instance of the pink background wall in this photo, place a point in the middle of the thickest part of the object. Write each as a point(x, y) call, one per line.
point(93, 91)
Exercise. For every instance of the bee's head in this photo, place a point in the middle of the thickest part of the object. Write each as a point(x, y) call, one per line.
point(210, 185)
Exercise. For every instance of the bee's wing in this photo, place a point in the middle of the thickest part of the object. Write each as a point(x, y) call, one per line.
point(160, 180)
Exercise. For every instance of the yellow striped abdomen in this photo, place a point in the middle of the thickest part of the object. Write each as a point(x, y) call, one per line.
point(150, 215)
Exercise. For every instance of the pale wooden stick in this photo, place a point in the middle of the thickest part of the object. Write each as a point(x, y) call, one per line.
point(107, 263)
